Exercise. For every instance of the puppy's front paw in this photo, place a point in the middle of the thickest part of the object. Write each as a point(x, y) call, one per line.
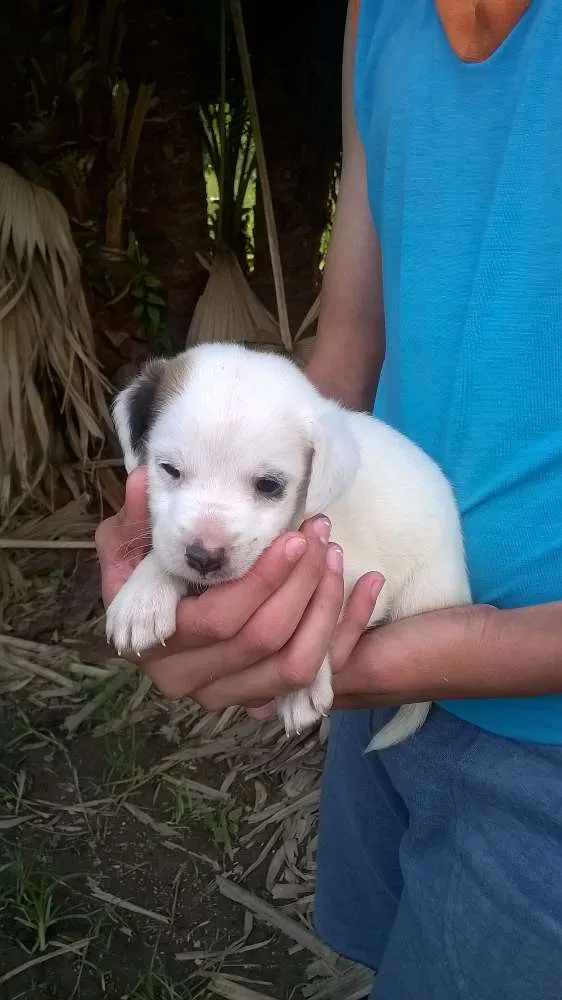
point(302, 709)
point(143, 613)
point(297, 712)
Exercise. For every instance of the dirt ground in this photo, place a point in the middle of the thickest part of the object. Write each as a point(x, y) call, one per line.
point(147, 851)
point(56, 862)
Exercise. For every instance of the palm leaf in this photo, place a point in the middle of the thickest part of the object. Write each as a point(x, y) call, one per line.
point(229, 310)
point(53, 392)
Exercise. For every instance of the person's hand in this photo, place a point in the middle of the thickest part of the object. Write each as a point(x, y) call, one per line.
point(249, 641)
point(345, 637)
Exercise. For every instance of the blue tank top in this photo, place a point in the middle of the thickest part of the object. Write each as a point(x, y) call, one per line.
point(464, 165)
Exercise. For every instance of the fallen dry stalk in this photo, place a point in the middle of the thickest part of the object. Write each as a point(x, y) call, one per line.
point(271, 915)
point(44, 543)
point(125, 904)
point(75, 948)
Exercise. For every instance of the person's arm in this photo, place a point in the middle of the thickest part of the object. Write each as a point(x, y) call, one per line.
point(349, 347)
point(460, 653)
point(468, 652)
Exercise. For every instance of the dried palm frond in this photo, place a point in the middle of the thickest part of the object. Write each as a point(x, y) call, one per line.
point(52, 404)
point(71, 525)
point(304, 339)
point(228, 308)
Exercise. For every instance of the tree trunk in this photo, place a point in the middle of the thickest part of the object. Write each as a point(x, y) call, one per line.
point(169, 192)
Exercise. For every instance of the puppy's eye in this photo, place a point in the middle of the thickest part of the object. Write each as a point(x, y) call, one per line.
point(268, 486)
point(170, 470)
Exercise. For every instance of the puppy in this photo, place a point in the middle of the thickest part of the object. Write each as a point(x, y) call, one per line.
point(239, 447)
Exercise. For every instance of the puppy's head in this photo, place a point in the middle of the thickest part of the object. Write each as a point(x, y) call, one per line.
point(239, 447)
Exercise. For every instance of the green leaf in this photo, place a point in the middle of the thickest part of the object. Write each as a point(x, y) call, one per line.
point(156, 300)
point(151, 281)
point(154, 317)
point(138, 310)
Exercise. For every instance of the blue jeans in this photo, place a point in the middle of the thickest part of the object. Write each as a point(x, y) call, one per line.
point(440, 861)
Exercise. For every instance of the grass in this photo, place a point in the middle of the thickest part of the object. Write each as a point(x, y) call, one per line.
point(122, 770)
point(155, 984)
point(30, 898)
point(186, 810)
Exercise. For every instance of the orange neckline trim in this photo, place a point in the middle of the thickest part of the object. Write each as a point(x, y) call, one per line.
point(474, 28)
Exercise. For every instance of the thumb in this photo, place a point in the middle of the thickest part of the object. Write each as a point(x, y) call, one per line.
point(135, 507)
point(114, 535)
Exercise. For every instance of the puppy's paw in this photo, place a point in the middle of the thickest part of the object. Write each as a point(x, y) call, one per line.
point(143, 613)
point(320, 691)
point(297, 712)
point(302, 709)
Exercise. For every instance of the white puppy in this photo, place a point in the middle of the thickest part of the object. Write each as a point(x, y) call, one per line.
point(239, 447)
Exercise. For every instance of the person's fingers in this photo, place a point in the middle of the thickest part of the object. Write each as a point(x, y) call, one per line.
point(274, 623)
point(298, 662)
point(182, 673)
point(355, 619)
point(244, 621)
point(265, 710)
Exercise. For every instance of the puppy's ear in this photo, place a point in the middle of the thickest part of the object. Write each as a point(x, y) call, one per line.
point(334, 463)
point(134, 411)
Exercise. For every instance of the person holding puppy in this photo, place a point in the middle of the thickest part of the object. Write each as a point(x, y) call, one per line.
point(439, 859)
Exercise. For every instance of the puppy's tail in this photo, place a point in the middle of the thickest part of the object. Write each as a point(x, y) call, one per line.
point(408, 719)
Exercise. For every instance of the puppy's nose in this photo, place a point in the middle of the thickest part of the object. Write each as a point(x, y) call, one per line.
point(204, 560)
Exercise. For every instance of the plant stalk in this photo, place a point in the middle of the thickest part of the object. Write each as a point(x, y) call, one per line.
point(272, 237)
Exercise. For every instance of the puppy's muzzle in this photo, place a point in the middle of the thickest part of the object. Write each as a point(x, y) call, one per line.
point(204, 561)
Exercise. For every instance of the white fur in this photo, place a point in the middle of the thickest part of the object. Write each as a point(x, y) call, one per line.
point(239, 415)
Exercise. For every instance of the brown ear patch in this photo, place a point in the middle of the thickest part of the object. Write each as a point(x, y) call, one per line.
point(476, 28)
point(174, 377)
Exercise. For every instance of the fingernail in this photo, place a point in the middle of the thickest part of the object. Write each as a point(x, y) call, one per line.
point(376, 588)
point(334, 558)
point(322, 528)
point(294, 548)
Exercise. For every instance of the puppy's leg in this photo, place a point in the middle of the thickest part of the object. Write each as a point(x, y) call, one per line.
point(442, 584)
point(143, 613)
point(304, 708)
point(301, 709)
